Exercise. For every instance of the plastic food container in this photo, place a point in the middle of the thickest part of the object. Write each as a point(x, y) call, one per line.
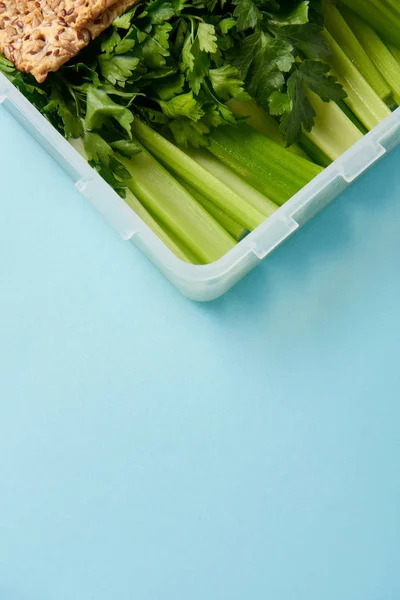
point(205, 282)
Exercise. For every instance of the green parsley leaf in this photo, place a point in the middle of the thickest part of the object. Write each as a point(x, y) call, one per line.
point(156, 46)
point(73, 127)
point(126, 147)
point(306, 39)
point(184, 105)
point(207, 37)
point(125, 20)
point(247, 14)
point(312, 75)
point(226, 25)
point(111, 41)
point(302, 113)
point(199, 62)
point(279, 103)
point(170, 87)
point(315, 75)
point(188, 132)
point(297, 16)
point(97, 149)
point(262, 61)
point(227, 84)
point(100, 107)
point(117, 69)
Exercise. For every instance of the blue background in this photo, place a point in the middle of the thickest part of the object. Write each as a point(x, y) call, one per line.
point(153, 448)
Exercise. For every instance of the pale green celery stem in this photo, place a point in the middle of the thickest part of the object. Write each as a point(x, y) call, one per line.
point(333, 132)
point(350, 115)
point(395, 51)
point(214, 189)
point(175, 247)
point(378, 51)
point(235, 229)
point(262, 122)
point(265, 165)
point(175, 208)
point(361, 98)
point(382, 15)
point(315, 153)
point(351, 46)
point(232, 180)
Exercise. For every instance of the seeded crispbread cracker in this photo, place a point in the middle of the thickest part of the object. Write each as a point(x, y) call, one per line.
point(98, 25)
point(78, 13)
point(38, 41)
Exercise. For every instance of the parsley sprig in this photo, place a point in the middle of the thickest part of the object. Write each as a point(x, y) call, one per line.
point(176, 64)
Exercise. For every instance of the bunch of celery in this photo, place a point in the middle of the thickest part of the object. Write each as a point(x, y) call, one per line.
point(207, 116)
point(382, 15)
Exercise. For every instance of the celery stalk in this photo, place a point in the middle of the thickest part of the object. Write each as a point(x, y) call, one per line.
point(262, 122)
point(361, 98)
point(211, 187)
point(232, 180)
point(316, 154)
point(175, 208)
point(351, 46)
point(261, 162)
point(177, 248)
point(377, 50)
point(382, 15)
point(175, 245)
point(350, 115)
point(333, 132)
point(234, 228)
point(395, 51)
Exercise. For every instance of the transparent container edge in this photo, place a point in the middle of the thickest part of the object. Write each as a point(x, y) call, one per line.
point(205, 282)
